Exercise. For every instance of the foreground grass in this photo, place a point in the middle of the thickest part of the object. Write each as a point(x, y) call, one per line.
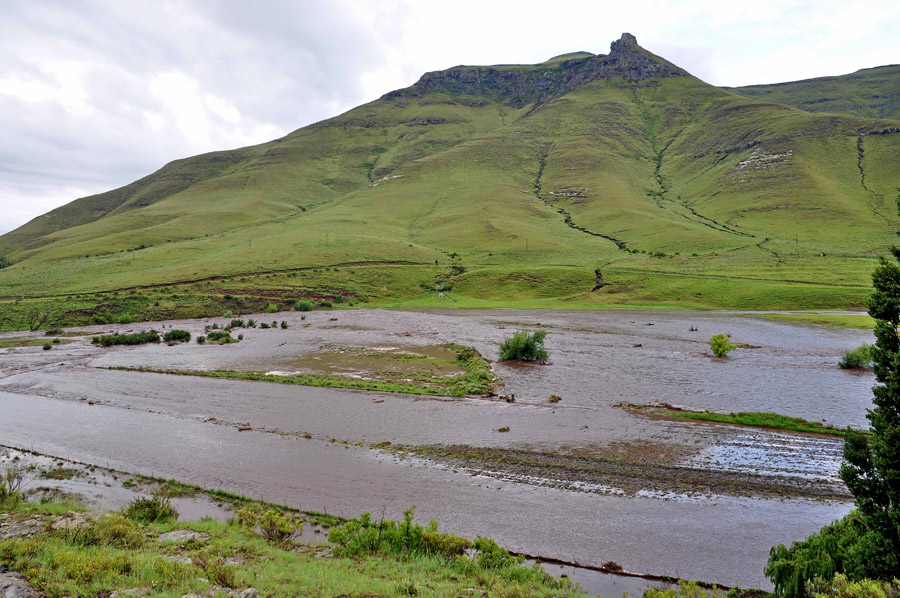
point(756, 419)
point(476, 378)
point(74, 563)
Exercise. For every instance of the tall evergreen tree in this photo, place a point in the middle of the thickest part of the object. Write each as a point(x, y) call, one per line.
point(871, 467)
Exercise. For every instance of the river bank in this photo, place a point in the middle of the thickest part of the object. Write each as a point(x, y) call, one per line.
point(317, 448)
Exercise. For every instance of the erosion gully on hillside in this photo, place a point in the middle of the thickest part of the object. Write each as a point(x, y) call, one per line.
point(581, 480)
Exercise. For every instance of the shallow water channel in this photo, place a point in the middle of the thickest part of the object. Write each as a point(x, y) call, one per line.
point(312, 447)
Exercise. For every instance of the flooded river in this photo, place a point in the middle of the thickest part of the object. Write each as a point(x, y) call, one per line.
point(310, 447)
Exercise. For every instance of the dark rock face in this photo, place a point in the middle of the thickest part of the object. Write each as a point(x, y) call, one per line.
point(521, 86)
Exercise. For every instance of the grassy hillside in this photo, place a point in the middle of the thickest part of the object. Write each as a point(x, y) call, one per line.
point(584, 181)
point(870, 93)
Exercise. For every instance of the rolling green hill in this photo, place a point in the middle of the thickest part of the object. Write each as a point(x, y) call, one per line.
point(586, 180)
point(870, 93)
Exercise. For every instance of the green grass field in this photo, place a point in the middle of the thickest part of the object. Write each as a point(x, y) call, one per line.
point(860, 322)
point(872, 93)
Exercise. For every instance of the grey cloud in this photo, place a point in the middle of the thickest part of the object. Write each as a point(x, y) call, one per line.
point(280, 64)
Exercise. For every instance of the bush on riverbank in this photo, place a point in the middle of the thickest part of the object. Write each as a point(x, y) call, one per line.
point(841, 587)
point(177, 336)
point(407, 539)
point(137, 338)
point(524, 346)
point(861, 357)
point(220, 337)
point(153, 509)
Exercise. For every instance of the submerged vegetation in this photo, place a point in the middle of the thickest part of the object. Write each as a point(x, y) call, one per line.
point(219, 337)
point(858, 358)
point(721, 345)
point(177, 336)
point(476, 377)
point(524, 346)
point(137, 338)
point(756, 419)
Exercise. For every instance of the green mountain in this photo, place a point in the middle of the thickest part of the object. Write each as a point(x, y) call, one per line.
point(870, 93)
point(584, 180)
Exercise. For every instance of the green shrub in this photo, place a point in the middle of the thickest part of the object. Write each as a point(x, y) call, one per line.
point(217, 571)
point(150, 510)
point(177, 336)
point(264, 325)
point(228, 314)
point(220, 337)
point(201, 339)
point(524, 346)
point(304, 305)
point(721, 345)
point(53, 332)
point(284, 325)
point(236, 324)
point(273, 307)
point(359, 537)
point(687, 589)
point(138, 338)
point(861, 357)
point(251, 323)
point(11, 486)
point(47, 346)
point(325, 304)
point(125, 319)
point(490, 555)
point(4, 262)
point(841, 587)
point(109, 530)
point(274, 526)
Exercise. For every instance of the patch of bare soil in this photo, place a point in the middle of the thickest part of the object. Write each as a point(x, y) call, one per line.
point(603, 474)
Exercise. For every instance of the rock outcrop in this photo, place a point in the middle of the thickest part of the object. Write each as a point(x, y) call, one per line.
point(14, 585)
point(518, 86)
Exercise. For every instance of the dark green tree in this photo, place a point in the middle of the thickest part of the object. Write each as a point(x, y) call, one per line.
point(871, 467)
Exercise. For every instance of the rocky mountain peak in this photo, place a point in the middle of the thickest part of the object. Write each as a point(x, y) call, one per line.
point(521, 85)
point(626, 42)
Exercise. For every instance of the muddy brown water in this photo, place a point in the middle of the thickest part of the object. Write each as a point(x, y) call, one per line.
point(189, 428)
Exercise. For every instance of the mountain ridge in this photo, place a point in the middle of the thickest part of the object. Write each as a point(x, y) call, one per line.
point(622, 162)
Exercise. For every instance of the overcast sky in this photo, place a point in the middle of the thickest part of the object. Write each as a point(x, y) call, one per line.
point(94, 95)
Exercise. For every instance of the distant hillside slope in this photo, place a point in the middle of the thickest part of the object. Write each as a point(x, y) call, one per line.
point(870, 93)
point(639, 180)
